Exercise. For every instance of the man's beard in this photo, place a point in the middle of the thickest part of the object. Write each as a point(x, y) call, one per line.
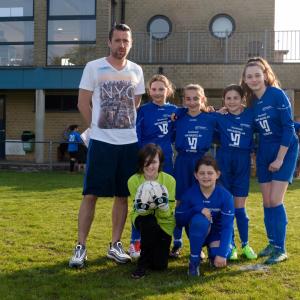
point(119, 55)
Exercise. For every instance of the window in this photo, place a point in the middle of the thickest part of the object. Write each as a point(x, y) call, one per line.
point(70, 54)
point(54, 102)
point(16, 32)
point(71, 7)
point(16, 8)
point(222, 26)
point(160, 27)
point(71, 32)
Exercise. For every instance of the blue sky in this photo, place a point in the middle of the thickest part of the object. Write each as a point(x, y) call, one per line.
point(287, 14)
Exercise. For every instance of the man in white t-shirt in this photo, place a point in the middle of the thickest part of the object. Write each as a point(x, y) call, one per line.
point(109, 93)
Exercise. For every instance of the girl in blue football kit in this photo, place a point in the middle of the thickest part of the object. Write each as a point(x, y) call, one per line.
point(154, 125)
point(277, 150)
point(194, 130)
point(213, 230)
point(235, 132)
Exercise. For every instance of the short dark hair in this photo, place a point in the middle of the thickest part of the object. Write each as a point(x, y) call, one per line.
point(120, 27)
point(233, 87)
point(147, 153)
point(73, 127)
point(207, 160)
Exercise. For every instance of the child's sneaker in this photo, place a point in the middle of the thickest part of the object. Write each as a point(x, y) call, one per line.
point(138, 273)
point(277, 257)
point(267, 251)
point(234, 254)
point(193, 270)
point(135, 250)
point(202, 256)
point(175, 252)
point(248, 252)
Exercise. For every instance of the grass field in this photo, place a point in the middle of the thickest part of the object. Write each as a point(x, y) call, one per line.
point(38, 229)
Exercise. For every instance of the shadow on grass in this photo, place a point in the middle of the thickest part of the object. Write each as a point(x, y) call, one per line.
point(103, 279)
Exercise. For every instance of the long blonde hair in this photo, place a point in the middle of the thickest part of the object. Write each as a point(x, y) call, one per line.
point(271, 79)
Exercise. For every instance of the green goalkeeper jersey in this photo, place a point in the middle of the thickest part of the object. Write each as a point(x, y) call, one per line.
point(165, 218)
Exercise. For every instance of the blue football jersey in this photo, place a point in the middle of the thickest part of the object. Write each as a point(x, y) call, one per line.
point(154, 125)
point(236, 131)
point(273, 118)
point(194, 134)
point(74, 139)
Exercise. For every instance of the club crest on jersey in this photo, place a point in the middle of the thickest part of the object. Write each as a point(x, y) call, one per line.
point(163, 128)
point(192, 142)
point(235, 138)
point(264, 125)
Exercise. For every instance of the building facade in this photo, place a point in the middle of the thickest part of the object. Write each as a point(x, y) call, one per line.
point(44, 45)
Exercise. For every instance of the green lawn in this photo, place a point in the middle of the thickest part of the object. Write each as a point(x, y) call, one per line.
point(38, 229)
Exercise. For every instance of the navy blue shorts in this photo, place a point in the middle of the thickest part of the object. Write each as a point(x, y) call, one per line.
point(109, 168)
point(235, 166)
point(267, 154)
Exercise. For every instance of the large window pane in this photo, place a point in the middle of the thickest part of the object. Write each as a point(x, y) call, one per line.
point(71, 7)
point(16, 8)
point(71, 30)
point(70, 55)
point(16, 55)
point(18, 31)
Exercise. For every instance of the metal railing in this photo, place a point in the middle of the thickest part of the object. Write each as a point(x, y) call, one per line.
point(50, 151)
point(202, 47)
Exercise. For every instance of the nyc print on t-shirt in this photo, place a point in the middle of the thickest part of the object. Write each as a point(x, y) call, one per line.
point(116, 104)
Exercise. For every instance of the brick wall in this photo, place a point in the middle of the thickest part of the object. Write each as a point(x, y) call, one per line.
point(103, 24)
point(20, 116)
point(40, 32)
point(195, 15)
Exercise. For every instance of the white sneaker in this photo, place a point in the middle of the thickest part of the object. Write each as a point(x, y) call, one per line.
point(135, 250)
point(117, 253)
point(79, 257)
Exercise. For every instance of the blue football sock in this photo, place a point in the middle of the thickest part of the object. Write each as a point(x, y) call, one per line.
point(242, 221)
point(177, 237)
point(199, 226)
point(279, 223)
point(268, 217)
point(232, 241)
point(135, 235)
